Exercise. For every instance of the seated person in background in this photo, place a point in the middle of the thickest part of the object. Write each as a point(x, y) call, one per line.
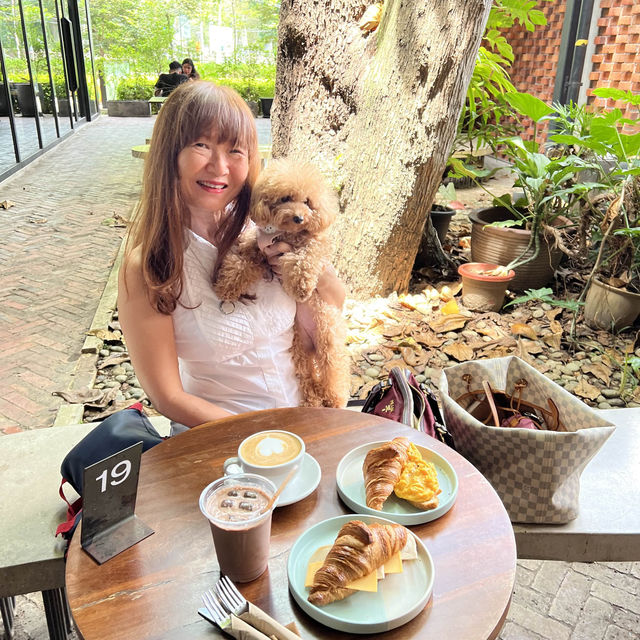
point(167, 82)
point(189, 69)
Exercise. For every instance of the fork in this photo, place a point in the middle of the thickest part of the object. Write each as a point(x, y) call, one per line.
point(236, 604)
point(228, 623)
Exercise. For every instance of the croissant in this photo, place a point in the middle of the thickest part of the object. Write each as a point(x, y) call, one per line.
point(381, 469)
point(358, 550)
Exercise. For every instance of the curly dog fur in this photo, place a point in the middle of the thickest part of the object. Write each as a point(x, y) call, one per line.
point(292, 203)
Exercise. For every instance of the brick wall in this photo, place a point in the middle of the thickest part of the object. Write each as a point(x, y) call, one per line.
point(536, 56)
point(616, 61)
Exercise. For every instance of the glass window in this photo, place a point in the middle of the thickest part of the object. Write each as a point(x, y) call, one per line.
point(92, 87)
point(38, 49)
point(60, 97)
point(20, 85)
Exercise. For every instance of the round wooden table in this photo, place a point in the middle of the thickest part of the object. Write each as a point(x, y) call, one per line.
point(153, 589)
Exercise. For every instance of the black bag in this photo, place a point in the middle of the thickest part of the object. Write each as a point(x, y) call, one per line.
point(117, 432)
point(403, 399)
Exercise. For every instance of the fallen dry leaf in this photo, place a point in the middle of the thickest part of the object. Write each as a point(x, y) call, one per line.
point(391, 331)
point(449, 323)
point(429, 339)
point(7, 204)
point(105, 335)
point(112, 360)
point(80, 397)
point(552, 314)
point(599, 371)
point(492, 332)
point(108, 396)
point(553, 339)
point(450, 307)
point(533, 347)
point(445, 293)
point(413, 357)
point(519, 329)
point(497, 351)
point(396, 362)
point(586, 390)
point(555, 327)
point(464, 243)
point(461, 352)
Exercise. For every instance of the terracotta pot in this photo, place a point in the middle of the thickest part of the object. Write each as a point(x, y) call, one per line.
point(501, 245)
point(607, 307)
point(480, 291)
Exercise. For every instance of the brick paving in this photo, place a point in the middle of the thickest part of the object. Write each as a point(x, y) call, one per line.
point(55, 258)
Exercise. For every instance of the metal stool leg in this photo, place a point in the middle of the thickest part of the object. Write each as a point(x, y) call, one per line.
point(7, 610)
point(55, 608)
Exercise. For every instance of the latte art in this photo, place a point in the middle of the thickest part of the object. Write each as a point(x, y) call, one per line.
point(270, 448)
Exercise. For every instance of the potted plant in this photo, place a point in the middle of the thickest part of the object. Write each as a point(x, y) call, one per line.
point(4, 100)
point(484, 285)
point(133, 95)
point(613, 286)
point(530, 234)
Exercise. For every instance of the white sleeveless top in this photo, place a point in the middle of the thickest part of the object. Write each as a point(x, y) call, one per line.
point(238, 360)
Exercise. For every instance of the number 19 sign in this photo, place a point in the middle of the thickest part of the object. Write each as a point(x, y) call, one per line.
point(109, 524)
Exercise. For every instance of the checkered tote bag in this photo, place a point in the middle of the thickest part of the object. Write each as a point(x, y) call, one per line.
point(536, 473)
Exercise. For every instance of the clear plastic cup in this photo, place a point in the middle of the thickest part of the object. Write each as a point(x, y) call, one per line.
point(240, 535)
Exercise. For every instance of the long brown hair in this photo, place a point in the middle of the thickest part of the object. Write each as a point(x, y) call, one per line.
point(161, 217)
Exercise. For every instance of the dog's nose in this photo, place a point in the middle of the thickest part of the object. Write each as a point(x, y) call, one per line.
point(298, 219)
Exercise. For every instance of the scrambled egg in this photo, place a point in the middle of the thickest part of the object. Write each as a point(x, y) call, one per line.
point(418, 481)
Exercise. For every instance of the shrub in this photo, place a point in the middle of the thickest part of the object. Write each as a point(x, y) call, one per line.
point(135, 88)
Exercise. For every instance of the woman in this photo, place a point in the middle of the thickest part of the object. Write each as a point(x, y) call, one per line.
point(189, 69)
point(195, 360)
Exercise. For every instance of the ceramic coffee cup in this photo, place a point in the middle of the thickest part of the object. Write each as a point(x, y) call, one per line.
point(271, 454)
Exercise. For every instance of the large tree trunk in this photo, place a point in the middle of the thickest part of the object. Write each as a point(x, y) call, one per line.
point(378, 113)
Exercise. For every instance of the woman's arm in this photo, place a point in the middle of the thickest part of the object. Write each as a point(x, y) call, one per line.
point(151, 344)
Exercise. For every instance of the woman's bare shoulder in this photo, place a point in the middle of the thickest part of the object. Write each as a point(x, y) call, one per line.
point(131, 276)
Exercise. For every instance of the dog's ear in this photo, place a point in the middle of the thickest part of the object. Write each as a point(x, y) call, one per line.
point(325, 203)
point(260, 212)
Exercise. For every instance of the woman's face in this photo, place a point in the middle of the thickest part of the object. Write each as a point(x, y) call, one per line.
point(211, 174)
point(187, 68)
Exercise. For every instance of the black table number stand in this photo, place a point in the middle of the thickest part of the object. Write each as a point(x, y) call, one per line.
point(109, 524)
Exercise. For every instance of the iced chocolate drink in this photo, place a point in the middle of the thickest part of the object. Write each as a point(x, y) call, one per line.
point(235, 507)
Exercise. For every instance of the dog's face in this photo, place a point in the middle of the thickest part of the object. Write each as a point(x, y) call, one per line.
point(292, 197)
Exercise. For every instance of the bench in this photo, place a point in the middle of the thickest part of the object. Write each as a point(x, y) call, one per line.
point(31, 557)
point(607, 528)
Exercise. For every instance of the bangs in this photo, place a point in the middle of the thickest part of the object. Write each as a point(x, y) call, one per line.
point(225, 112)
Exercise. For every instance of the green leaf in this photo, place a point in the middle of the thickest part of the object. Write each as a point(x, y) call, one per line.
point(529, 105)
point(545, 295)
point(506, 223)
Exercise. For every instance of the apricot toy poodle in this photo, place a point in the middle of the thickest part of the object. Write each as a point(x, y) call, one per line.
point(292, 203)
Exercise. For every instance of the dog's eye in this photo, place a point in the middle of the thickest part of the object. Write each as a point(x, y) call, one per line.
point(308, 203)
point(286, 199)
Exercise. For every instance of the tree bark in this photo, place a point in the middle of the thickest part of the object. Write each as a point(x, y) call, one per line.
point(378, 113)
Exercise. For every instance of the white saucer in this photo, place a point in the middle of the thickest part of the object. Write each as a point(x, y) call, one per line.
point(305, 482)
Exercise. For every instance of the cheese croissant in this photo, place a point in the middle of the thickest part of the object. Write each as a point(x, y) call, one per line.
point(358, 550)
point(381, 469)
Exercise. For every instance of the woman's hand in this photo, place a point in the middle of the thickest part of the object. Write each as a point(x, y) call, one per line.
point(329, 287)
point(274, 252)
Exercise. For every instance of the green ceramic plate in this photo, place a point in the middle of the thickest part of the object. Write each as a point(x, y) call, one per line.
point(350, 484)
point(400, 597)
